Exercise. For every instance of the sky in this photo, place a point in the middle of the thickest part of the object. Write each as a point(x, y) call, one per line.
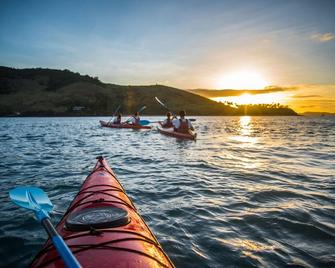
point(185, 44)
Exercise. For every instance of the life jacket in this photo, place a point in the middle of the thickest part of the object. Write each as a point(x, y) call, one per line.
point(117, 121)
point(168, 123)
point(183, 126)
point(137, 120)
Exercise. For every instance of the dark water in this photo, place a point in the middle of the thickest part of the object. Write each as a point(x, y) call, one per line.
point(250, 192)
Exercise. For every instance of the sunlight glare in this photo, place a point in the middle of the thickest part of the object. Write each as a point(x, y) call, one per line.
point(245, 132)
point(268, 98)
point(245, 125)
point(245, 121)
point(242, 80)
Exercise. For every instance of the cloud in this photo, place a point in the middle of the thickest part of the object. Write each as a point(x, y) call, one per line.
point(270, 89)
point(307, 106)
point(306, 96)
point(213, 93)
point(323, 37)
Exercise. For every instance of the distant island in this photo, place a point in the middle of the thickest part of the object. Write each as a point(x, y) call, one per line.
point(318, 114)
point(49, 92)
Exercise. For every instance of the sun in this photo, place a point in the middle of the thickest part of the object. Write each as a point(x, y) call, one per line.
point(242, 80)
point(245, 99)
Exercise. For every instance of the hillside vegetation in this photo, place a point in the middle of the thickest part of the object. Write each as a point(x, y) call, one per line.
point(62, 92)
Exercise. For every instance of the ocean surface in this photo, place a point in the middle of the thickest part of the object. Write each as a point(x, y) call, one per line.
point(250, 192)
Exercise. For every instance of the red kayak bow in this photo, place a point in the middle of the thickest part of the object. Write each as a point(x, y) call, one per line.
point(103, 228)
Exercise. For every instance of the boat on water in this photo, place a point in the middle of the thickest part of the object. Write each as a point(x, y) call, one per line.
point(103, 228)
point(172, 133)
point(123, 125)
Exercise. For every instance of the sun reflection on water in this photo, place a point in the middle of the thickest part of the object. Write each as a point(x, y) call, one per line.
point(248, 247)
point(245, 125)
point(245, 131)
point(246, 142)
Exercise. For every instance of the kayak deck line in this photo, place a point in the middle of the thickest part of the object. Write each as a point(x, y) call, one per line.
point(100, 200)
point(104, 245)
point(100, 164)
point(97, 232)
point(132, 240)
point(94, 232)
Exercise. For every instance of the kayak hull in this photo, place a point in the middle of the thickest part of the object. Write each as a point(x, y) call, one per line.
point(171, 133)
point(130, 245)
point(105, 124)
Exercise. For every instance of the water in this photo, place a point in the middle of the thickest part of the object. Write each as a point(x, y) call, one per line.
point(250, 192)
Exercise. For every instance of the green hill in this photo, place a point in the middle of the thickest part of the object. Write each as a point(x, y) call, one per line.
point(61, 92)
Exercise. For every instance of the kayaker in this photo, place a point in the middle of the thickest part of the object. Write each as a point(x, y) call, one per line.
point(167, 123)
point(182, 124)
point(117, 119)
point(135, 120)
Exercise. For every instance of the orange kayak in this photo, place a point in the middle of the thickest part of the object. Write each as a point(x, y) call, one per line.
point(103, 228)
point(123, 125)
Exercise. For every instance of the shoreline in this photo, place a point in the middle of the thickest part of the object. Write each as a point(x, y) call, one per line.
point(23, 116)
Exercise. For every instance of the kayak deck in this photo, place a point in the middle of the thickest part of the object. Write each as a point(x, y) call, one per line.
point(170, 132)
point(128, 244)
point(123, 125)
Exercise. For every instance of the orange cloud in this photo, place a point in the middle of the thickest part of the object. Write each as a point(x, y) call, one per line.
point(214, 93)
point(305, 96)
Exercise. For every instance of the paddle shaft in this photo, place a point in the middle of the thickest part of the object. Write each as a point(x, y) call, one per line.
point(167, 108)
point(61, 247)
point(117, 109)
point(140, 110)
point(164, 105)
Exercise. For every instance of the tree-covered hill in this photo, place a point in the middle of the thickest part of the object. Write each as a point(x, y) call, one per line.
point(62, 92)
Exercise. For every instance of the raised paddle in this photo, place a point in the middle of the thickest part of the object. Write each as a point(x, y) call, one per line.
point(117, 109)
point(36, 199)
point(166, 108)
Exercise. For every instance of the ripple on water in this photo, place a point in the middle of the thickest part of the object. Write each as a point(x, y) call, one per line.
point(250, 192)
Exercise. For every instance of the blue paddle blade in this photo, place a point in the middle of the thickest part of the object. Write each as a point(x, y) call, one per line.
point(144, 122)
point(32, 198)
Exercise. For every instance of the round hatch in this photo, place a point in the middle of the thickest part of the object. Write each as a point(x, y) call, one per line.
point(97, 218)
